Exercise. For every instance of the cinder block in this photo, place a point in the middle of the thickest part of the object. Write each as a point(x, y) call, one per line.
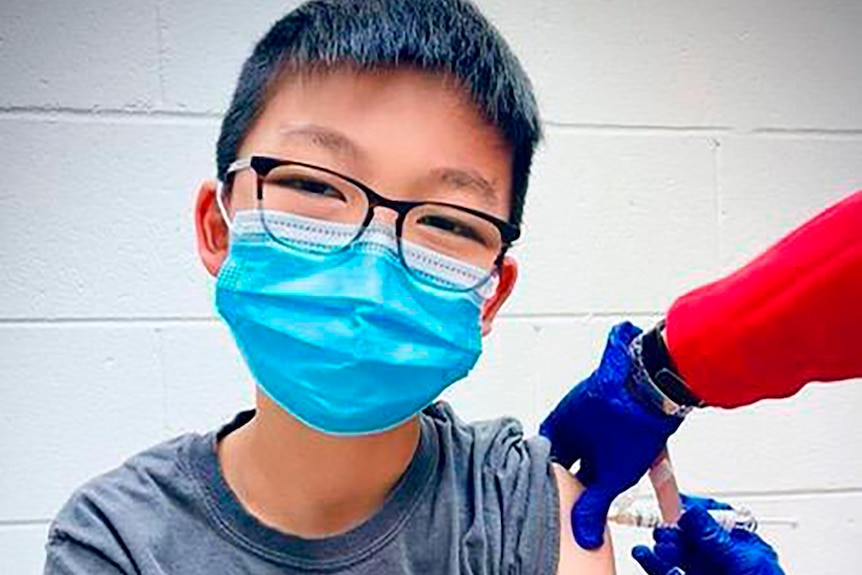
point(744, 65)
point(22, 549)
point(197, 37)
point(777, 445)
point(97, 219)
point(770, 185)
point(503, 383)
point(825, 538)
point(529, 364)
point(89, 55)
point(77, 400)
point(206, 380)
point(616, 223)
point(568, 351)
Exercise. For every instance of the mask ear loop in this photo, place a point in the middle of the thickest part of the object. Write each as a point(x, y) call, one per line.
point(489, 287)
point(219, 192)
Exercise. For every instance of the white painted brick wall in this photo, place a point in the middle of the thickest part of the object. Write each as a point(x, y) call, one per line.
point(682, 139)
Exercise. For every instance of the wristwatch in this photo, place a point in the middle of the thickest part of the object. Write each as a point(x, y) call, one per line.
point(656, 379)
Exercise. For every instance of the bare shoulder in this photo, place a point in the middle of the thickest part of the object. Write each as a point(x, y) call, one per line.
point(575, 560)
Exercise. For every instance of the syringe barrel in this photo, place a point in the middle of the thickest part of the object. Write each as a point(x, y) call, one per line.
point(728, 519)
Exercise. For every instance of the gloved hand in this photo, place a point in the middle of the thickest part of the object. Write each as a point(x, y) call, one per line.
point(699, 546)
point(615, 437)
point(789, 317)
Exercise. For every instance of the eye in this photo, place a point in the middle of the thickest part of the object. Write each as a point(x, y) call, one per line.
point(308, 186)
point(452, 226)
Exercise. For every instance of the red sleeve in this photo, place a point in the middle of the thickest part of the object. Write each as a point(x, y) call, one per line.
point(791, 316)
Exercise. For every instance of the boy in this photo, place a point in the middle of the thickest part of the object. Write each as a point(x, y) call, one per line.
point(372, 172)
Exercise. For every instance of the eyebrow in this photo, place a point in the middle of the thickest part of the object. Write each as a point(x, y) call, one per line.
point(339, 144)
point(322, 137)
point(466, 178)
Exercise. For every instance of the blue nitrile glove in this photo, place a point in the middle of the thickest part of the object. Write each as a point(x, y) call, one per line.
point(615, 437)
point(701, 547)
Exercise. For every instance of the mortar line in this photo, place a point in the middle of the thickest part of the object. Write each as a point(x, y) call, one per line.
point(718, 204)
point(778, 493)
point(143, 321)
point(156, 321)
point(109, 115)
point(637, 129)
point(134, 115)
point(828, 134)
point(160, 37)
point(586, 315)
point(23, 522)
point(820, 133)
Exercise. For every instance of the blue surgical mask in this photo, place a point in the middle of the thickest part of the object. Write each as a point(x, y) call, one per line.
point(348, 343)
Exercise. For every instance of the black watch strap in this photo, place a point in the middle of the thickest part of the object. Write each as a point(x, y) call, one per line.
point(662, 371)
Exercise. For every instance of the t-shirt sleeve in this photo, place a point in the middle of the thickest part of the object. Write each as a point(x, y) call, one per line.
point(515, 488)
point(66, 556)
point(520, 477)
point(84, 537)
point(112, 524)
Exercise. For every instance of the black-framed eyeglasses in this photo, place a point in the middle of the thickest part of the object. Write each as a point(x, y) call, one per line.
point(333, 210)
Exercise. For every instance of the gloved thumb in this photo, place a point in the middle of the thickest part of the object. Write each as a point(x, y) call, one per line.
point(590, 516)
point(704, 534)
point(649, 562)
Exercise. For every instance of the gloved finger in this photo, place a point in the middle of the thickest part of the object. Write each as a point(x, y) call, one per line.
point(753, 543)
point(668, 545)
point(704, 535)
point(589, 517)
point(666, 535)
point(670, 553)
point(649, 562)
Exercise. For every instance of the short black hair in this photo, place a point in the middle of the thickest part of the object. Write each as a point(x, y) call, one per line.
point(448, 36)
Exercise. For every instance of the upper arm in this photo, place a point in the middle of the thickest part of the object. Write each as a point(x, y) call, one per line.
point(575, 560)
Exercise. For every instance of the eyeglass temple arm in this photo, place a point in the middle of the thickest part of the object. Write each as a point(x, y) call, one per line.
point(237, 165)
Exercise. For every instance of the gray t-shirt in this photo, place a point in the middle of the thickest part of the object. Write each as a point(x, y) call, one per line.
point(475, 499)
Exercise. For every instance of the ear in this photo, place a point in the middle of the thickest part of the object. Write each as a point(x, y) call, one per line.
point(210, 227)
point(508, 275)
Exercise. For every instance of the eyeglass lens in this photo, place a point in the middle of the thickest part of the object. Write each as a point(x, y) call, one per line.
point(318, 195)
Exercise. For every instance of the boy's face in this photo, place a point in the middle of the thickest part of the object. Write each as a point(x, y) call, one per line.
point(408, 134)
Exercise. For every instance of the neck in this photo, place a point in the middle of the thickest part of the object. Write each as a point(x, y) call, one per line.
point(301, 481)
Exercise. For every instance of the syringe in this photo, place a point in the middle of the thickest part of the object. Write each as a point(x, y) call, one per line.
point(670, 506)
point(729, 519)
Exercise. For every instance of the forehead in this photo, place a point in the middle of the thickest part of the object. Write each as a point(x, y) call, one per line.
point(396, 128)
